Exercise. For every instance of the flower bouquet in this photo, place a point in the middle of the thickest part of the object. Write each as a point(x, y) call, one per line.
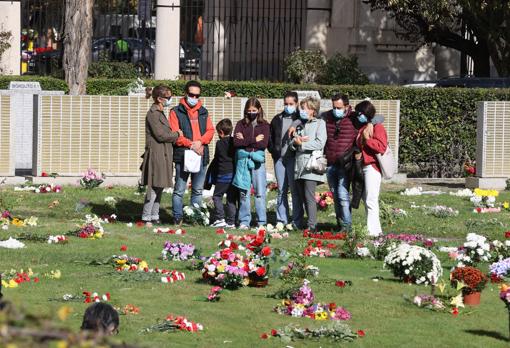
point(166, 230)
point(440, 211)
point(476, 249)
point(484, 201)
point(472, 281)
point(382, 245)
point(91, 229)
point(109, 218)
point(301, 305)
point(318, 248)
point(336, 331)
point(91, 179)
point(429, 302)
point(499, 250)
point(324, 200)
point(173, 324)
point(325, 235)
point(196, 214)
point(13, 278)
point(414, 264)
point(500, 270)
point(504, 295)
point(272, 186)
point(58, 239)
point(227, 269)
point(179, 251)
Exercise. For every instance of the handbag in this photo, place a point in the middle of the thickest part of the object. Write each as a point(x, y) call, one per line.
point(387, 163)
point(317, 162)
point(192, 161)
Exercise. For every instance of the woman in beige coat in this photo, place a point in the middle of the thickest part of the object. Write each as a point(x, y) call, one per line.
point(157, 165)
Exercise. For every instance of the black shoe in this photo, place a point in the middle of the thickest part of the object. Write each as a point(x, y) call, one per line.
point(178, 222)
point(156, 222)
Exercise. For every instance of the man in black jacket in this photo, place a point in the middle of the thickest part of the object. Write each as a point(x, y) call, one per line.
point(284, 161)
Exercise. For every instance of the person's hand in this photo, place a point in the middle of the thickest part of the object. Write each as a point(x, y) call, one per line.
point(180, 132)
point(196, 145)
point(305, 138)
point(357, 156)
point(239, 136)
point(200, 150)
point(292, 130)
point(297, 141)
point(259, 137)
point(368, 132)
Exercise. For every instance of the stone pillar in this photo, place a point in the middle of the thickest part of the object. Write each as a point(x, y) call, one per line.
point(10, 22)
point(168, 26)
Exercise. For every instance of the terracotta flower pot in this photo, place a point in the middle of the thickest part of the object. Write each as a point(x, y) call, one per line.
point(472, 299)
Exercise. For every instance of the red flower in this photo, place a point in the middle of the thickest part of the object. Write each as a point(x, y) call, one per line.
point(266, 251)
point(361, 333)
point(507, 234)
point(140, 224)
point(478, 210)
point(220, 231)
point(340, 283)
point(264, 336)
point(455, 311)
point(123, 247)
point(44, 174)
point(36, 280)
point(274, 332)
point(261, 271)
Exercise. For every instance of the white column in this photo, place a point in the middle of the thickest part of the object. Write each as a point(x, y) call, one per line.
point(168, 28)
point(10, 22)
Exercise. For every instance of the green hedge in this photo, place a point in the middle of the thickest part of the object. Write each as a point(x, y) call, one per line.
point(437, 126)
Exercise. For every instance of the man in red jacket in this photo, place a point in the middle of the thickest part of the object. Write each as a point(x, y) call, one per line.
point(193, 120)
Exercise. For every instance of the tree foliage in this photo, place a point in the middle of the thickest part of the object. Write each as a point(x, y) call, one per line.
point(446, 21)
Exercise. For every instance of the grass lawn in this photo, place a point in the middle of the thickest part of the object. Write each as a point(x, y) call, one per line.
point(241, 316)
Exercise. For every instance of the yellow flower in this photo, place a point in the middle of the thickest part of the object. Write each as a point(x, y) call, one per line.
point(10, 284)
point(220, 268)
point(506, 205)
point(143, 265)
point(321, 316)
point(17, 222)
point(329, 200)
point(55, 274)
point(120, 261)
point(62, 344)
point(63, 312)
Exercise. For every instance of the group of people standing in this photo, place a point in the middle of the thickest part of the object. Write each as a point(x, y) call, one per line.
point(297, 138)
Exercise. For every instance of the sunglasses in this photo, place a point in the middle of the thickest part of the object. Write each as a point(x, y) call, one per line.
point(191, 95)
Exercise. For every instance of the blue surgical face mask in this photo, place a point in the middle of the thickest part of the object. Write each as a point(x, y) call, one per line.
point(338, 113)
point(289, 110)
point(362, 118)
point(303, 114)
point(191, 101)
point(167, 102)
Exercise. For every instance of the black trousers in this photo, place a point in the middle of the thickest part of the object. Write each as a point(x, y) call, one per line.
point(220, 189)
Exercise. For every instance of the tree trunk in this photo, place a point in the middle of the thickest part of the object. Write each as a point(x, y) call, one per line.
point(481, 60)
point(77, 44)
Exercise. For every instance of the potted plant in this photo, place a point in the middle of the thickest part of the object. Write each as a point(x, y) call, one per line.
point(414, 264)
point(472, 280)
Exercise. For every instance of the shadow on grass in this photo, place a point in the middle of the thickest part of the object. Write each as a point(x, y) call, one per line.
point(486, 333)
point(126, 211)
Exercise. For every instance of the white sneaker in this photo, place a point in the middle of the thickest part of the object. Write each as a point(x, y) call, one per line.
point(219, 223)
point(244, 227)
point(230, 226)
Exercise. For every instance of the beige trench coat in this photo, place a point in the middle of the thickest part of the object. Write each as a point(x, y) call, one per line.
point(157, 164)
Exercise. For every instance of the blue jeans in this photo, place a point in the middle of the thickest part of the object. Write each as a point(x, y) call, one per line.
point(181, 179)
point(338, 182)
point(259, 181)
point(284, 172)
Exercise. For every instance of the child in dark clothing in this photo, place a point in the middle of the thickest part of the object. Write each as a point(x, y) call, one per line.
point(222, 174)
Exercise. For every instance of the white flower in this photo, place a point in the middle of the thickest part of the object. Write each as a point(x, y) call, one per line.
point(279, 227)
point(11, 243)
point(5, 227)
point(289, 227)
point(129, 224)
point(414, 191)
